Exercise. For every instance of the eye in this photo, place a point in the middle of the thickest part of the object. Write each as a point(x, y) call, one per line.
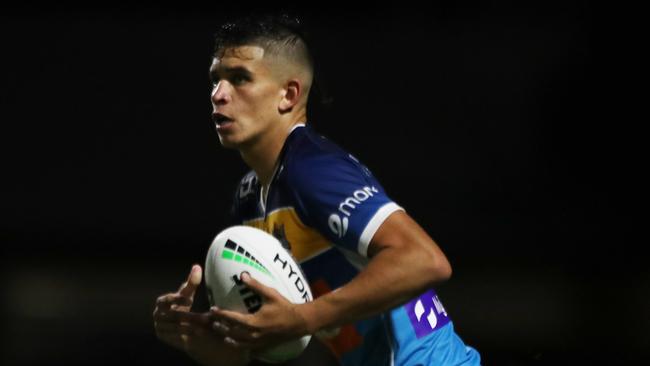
point(239, 79)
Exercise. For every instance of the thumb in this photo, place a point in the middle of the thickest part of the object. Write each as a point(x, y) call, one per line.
point(188, 288)
point(257, 287)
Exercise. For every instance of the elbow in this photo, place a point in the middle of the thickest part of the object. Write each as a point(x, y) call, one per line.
point(439, 269)
point(443, 270)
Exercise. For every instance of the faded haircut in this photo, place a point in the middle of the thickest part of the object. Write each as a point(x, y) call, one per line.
point(279, 35)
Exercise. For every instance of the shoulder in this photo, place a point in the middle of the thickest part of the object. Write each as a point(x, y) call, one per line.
point(312, 157)
point(309, 144)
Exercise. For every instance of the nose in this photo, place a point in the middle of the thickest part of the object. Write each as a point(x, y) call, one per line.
point(220, 93)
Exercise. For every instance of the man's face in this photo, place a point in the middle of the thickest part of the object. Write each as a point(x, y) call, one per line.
point(245, 95)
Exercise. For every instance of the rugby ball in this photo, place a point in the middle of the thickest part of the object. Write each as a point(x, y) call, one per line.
point(240, 249)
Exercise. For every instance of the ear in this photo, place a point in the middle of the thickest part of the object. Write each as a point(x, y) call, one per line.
point(291, 96)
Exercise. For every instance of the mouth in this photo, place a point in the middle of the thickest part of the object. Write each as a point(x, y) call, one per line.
point(221, 120)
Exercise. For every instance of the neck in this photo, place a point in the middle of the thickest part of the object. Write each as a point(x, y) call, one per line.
point(262, 158)
point(262, 155)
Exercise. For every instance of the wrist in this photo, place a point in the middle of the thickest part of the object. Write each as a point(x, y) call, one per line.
point(314, 315)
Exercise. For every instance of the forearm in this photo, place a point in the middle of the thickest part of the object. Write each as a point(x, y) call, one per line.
point(390, 279)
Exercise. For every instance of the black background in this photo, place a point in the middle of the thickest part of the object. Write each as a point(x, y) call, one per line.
point(495, 126)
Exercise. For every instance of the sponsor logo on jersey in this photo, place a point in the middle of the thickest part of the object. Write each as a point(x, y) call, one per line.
point(426, 314)
point(247, 186)
point(338, 222)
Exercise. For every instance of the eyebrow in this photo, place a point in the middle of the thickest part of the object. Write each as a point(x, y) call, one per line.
point(241, 70)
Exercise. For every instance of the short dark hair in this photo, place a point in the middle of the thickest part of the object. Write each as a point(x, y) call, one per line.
point(276, 33)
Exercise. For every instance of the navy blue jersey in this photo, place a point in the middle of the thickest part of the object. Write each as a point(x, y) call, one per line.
point(325, 206)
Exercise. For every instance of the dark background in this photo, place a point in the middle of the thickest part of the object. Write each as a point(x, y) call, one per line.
point(495, 126)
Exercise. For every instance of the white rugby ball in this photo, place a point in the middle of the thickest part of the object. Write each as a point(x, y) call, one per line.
point(240, 249)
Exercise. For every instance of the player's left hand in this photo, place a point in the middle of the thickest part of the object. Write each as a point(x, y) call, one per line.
point(277, 321)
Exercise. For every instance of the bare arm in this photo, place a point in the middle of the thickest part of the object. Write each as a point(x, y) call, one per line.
point(404, 262)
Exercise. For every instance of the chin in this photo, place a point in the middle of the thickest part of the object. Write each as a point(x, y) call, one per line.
point(229, 142)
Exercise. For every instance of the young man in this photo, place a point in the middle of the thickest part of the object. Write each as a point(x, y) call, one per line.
point(371, 267)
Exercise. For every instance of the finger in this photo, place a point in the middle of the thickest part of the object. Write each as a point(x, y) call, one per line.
point(173, 299)
point(238, 333)
point(169, 315)
point(179, 316)
point(218, 320)
point(188, 288)
point(259, 288)
point(165, 316)
point(167, 328)
point(221, 328)
point(225, 328)
point(158, 313)
point(175, 340)
point(164, 301)
point(201, 319)
point(232, 318)
point(174, 328)
point(238, 344)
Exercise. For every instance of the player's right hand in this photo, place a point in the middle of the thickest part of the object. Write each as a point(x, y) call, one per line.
point(166, 315)
point(191, 332)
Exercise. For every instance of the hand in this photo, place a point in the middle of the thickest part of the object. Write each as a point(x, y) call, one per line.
point(192, 332)
point(277, 321)
point(166, 315)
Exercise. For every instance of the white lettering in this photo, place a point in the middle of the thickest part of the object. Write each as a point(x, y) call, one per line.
point(439, 308)
point(432, 319)
point(357, 198)
point(247, 186)
point(370, 190)
point(348, 202)
point(419, 310)
point(361, 195)
point(337, 225)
